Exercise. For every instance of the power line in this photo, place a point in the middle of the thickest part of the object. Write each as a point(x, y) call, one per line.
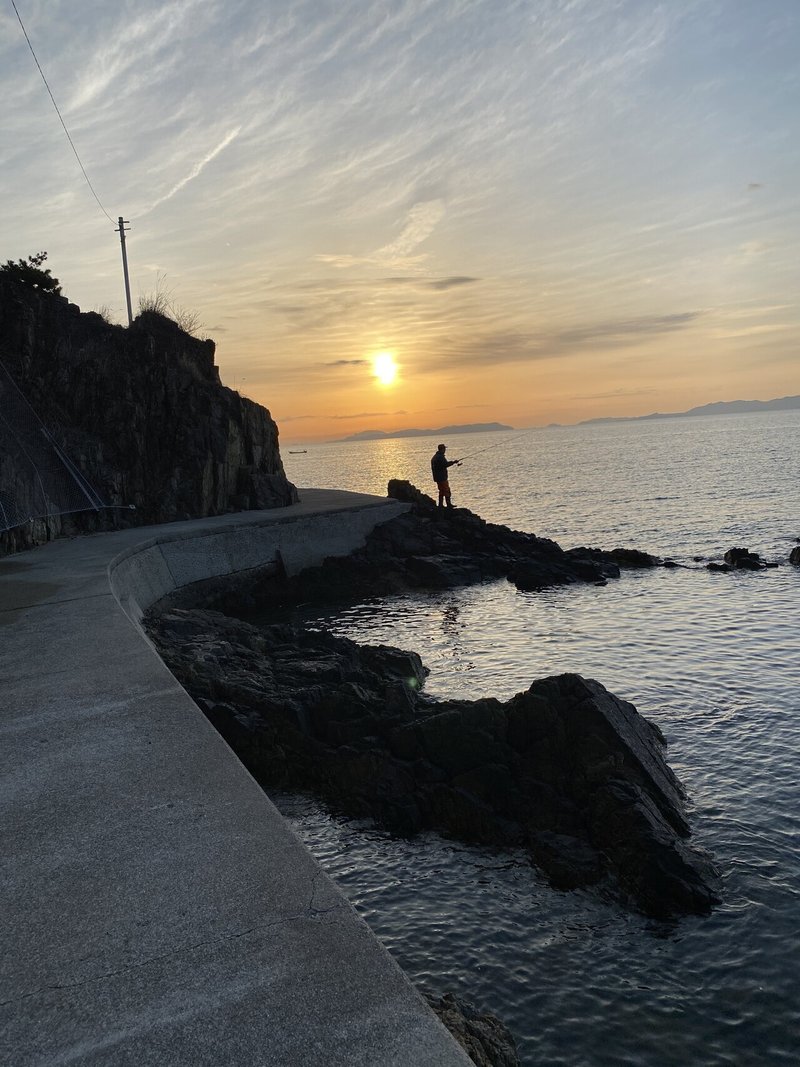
point(55, 105)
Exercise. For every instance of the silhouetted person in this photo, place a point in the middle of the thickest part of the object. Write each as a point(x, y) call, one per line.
point(439, 465)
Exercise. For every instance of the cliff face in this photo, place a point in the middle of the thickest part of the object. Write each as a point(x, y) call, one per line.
point(141, 414)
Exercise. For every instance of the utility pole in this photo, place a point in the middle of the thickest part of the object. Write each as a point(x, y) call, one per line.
point(121, 232)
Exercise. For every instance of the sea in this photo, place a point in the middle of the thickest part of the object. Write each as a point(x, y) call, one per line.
point(713, 658)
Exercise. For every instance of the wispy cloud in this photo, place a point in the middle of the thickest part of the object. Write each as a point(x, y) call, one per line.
point(510, 346)
point(369, 415)
point(343, 418)
point(747, 252)
point(451, 283)
point(420, 222)
point(196, 170)
point(615, 394)
point(468, 183)
point(419, 225)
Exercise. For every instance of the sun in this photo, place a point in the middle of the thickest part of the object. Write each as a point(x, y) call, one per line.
point(384, 368)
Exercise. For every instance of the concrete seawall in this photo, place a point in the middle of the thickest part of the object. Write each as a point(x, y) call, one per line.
point(156, 908)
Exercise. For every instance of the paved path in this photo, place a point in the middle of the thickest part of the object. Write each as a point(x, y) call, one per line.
point(155, 907)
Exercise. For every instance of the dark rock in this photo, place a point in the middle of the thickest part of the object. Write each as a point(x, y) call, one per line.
point(531, 576)
point(722, 567)
point(625, 820)
point(612, 560)
point(139, 411)
point(409, 494)
point(565, 767)
point(569, 862)
point(794, 556)
point(633, 557)
point(422, 549)
point(741, 559)
point(485, 1039)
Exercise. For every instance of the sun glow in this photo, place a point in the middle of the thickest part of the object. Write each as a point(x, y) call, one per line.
point(384, 368)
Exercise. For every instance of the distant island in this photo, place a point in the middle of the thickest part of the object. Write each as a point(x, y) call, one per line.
point(440, 431)
point(720, 407)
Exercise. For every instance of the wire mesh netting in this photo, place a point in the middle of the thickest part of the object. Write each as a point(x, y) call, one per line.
point(37, 478)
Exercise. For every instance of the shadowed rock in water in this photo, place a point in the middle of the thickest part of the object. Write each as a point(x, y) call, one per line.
point(487, 1042)
point(742, 559)
point(565, 768)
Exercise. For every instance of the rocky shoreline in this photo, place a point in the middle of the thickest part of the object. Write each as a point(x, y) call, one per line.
point(566, 769)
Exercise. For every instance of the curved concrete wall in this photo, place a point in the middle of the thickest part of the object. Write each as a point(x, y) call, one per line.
point(156, 907)
point(142, 575)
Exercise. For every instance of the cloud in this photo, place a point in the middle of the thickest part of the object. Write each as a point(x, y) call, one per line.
point(196, 170)
point(511, 346)
point(615, 394)
point(624, 331)
point(368, 415)
point(420, 224)
point(421, 283)
point(418, 140)
point(422, 219)
point(752, 331)
point(451, 283)
point(747, 252)
point(129, 51)
point(340, 418)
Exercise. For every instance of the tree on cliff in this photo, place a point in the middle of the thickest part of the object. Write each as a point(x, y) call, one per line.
point(31, 273)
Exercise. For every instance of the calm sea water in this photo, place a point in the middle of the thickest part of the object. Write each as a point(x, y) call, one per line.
point(714, 659)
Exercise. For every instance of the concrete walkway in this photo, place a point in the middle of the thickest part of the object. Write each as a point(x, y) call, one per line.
point(155, 907)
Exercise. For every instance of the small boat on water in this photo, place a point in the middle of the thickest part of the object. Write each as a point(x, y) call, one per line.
point(301, 452)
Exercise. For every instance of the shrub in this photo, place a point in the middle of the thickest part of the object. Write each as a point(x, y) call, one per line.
point(105, 313)
point(29, 271)
point(162, 302)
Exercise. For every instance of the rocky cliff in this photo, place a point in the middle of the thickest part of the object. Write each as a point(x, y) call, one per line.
point(140, 412)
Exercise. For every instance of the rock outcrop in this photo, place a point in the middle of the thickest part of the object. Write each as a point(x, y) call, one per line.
point(741, 559)
point(440, 548)
point(428, 548)
point(141, 414)
point(565, 768)
point(484, 1038)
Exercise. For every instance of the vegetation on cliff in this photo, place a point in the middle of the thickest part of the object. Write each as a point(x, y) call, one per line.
point(29, 271)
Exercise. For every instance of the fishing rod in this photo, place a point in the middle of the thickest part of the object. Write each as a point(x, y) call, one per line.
point(505, 441)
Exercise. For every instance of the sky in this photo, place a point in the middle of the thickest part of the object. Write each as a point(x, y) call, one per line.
point(530, 211)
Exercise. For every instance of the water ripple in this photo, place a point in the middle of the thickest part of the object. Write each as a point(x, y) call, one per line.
point(712, 658)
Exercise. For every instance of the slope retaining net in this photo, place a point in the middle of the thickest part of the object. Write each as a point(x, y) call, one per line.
point(37, 479)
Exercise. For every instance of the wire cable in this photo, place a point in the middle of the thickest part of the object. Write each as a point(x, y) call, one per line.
point(55, 105)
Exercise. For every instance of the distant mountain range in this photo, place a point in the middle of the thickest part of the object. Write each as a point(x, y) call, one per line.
point(440, 431)
point(721, 407)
